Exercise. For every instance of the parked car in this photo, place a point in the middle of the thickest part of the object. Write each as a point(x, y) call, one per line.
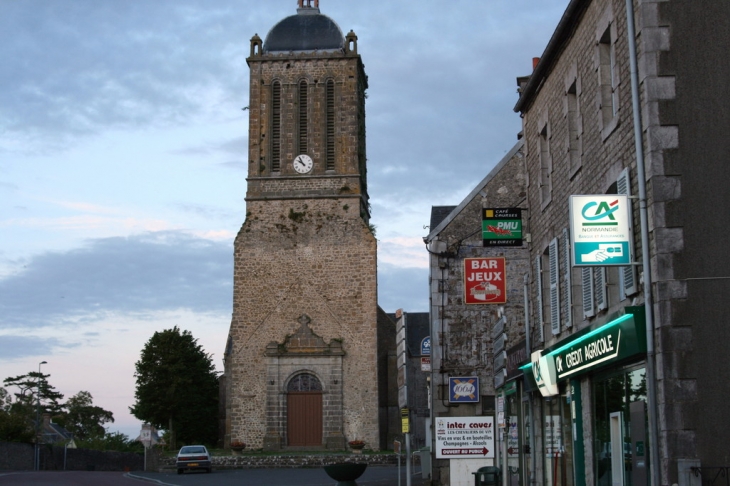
point(193, 457)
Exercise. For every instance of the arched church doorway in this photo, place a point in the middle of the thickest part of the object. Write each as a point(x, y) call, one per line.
point(304, 411)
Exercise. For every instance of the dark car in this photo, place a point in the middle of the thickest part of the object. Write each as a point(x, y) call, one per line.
point(193, 457)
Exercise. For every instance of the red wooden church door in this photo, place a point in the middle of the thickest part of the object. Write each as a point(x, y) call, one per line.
point(304, 411)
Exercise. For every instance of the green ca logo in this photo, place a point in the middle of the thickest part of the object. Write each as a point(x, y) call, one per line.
point(602, 210)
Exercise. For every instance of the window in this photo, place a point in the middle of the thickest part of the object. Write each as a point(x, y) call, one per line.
point(567, 287)
point(303, 128)
point(276, 127)
point(608, 76)
point(545, 166)
point(574, 144)
point(330, 125)
point(554, 262)
point(540, 304)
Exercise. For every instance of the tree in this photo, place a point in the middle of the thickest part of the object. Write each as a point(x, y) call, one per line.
point(177, 388)
point(83, 419)
point(34, 395)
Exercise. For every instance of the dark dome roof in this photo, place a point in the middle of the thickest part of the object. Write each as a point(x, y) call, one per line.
point(305, 32)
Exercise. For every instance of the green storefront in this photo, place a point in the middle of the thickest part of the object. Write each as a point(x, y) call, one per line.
point(605, 360)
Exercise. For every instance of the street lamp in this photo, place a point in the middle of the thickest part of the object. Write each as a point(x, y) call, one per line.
point(38, 416)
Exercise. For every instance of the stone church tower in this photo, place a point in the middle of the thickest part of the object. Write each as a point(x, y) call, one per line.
point(301, 359)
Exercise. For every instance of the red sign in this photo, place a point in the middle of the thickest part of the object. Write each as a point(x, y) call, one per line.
point(485, 281)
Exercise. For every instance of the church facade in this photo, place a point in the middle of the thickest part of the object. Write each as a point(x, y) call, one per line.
point(301, 361)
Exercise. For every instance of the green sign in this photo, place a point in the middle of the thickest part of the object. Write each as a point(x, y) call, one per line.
point(502, 226)
point(619, 339)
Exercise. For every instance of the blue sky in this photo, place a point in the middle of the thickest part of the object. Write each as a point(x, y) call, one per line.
point(123, 156)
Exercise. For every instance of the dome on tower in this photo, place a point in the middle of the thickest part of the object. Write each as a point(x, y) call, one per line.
point(308, 30)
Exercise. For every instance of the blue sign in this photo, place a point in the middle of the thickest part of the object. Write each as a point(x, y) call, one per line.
point(464, 389)
point(426, 346)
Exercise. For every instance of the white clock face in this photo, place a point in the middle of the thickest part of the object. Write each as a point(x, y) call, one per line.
point(303, 163)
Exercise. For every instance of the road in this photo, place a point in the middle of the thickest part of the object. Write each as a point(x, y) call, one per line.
point(374, 476)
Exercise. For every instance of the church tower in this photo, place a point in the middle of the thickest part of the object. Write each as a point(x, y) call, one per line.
point(301, 358)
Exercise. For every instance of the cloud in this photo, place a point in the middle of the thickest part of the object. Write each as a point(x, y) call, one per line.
point(15, 347)
point(412, 286)
point(137, 275)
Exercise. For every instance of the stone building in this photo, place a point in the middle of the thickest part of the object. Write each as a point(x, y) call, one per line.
point(471, 327)
point(301, 362)
point(613, 403)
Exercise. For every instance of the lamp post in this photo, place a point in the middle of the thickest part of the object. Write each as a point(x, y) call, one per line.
point(38, 416)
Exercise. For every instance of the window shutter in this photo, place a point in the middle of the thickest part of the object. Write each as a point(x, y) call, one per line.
point(627, 275)
point(587, 277)
point(538, 284)
point(599, 282)
point(567, 281)
point(554, 260)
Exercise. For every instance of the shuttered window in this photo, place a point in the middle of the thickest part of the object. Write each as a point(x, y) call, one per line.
point(600, 286)
point(589, 309)
point(540, 303)
point(276, 127)
point(567, 281)
point(626, 275)
point(330, 125)
point(303, 125)
point(554, 261)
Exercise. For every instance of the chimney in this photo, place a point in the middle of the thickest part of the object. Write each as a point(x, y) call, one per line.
point(535, 60)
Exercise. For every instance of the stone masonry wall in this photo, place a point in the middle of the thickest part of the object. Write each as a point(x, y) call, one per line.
point(314, 257)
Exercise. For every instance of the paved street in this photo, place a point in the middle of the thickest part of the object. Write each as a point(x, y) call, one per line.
point(374, 476)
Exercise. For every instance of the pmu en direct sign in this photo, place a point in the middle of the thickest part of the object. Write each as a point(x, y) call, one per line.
point(600, 230)
point(464, 389)
point(502, 227)
point(464, 437)
point(485, 281)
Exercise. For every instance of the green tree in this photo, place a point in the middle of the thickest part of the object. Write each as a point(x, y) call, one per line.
point(34, 396)
point(13, 427)
point(82, 418)
point(177, 388)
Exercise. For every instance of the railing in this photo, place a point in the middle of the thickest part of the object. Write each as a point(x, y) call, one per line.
point(713, 475)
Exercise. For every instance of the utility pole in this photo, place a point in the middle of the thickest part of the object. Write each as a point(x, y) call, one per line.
point(37, 458)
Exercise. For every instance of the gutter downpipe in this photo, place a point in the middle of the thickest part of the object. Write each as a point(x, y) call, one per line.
point(645, 260)
point(533, 459)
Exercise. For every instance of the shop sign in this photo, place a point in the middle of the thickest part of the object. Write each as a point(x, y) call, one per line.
point(553, 435)
point(513, 442)
point(516, 355)
point(600, 230)
point(464, 389)
point(464, 437)
point(502, 227)
point(614, 341)
point(543, 369)
point(510, 388)
point(485, 281)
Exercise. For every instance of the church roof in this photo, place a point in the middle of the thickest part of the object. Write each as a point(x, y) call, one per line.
point(308, 30)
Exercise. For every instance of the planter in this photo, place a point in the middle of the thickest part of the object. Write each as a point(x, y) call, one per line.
point(236, 452)
point(345, 473)
point(356, 446)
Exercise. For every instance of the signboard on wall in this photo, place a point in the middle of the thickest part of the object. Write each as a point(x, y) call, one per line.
point(502, 227)
point(464, 437)
point(485, 281)
point(464, 389)
point(600, 230)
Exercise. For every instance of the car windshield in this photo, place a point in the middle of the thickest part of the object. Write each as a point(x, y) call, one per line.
point(192, 450)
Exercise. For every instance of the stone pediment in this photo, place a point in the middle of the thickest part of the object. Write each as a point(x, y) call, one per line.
point(305, 342)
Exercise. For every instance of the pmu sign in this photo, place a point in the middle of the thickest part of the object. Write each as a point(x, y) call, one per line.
point(600, 230)
point(502, 227)
point(485, 281)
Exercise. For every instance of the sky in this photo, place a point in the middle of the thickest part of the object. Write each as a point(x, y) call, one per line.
point(123, 155)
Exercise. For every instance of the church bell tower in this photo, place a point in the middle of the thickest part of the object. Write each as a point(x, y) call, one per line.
point(301, 357)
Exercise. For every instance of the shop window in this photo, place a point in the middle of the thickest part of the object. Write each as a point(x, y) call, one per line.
point(620, 452)
point(558, 439)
